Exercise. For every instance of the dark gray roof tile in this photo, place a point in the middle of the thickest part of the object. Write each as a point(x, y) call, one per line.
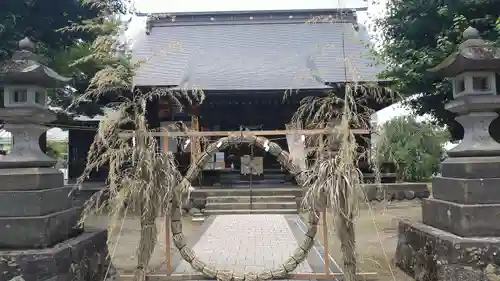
point(249, 55)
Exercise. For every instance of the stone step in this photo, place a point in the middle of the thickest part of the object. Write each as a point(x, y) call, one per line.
point(265, 173)
point(247, 199)
point(290, 191)
point(248, 211)
point(247, 177)
point(253, 205)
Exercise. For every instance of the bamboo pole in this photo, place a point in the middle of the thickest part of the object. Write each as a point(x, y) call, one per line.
point(326, 256)
point(168, 252)
point(168, 246)
point(326, 252)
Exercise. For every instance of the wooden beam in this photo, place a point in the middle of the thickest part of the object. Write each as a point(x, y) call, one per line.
point(250, 133)
point(292, 276)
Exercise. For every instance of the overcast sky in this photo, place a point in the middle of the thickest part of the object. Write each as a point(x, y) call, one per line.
point(161, 6)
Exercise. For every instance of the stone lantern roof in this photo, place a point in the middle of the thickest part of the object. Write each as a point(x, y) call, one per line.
point(474, 54)
point(25, 68)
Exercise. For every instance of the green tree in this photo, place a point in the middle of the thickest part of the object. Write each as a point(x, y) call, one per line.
point(416, 148)
point(417, 35)
point(66, 36)
point(57, 150)
point(40, 20)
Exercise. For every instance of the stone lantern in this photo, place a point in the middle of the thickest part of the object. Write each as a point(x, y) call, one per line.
point(459, 236)
point(25, 82)
point(39, 235)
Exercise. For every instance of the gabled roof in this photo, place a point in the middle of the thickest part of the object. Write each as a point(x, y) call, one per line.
point(253, 50)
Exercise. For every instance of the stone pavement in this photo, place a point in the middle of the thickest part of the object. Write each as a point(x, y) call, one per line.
point(246, 243)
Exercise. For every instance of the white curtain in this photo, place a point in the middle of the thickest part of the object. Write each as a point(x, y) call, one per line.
point(296, 147)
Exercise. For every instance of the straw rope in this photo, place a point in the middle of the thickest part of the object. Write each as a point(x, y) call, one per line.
point(297, 257)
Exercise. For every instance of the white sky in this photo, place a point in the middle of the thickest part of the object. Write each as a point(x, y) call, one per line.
point(172, 6)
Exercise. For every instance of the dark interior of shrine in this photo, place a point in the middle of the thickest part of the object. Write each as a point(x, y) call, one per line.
point(221, 111)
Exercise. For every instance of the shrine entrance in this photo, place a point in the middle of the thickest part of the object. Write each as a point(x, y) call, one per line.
point(248, 165)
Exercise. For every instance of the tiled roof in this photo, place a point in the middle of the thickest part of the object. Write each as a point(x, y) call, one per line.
point(253, 50)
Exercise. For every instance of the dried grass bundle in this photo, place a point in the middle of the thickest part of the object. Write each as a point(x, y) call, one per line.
point(334, 178)
point(141, 177)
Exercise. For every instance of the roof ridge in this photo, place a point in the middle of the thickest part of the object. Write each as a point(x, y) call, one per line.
point(251, 17)
point(255, 12)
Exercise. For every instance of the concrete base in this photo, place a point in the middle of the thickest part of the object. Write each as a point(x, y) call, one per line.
point(471, 167)
point(83, 258)
point(38, 231)
point(19, 179)
point(26, 203)
point(466, 191)
point(429, 254)
point(86, 192)
point(478, 220)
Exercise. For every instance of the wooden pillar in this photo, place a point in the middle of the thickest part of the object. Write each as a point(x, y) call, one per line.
point(152, 116)
point(195, 141)
point(168, 243)
point(165, 144)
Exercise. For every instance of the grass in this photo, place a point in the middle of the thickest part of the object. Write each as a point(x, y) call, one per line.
point(376, 234)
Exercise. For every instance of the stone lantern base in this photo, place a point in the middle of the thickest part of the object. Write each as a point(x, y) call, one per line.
point(40, 239)
point(430, 254)
point(82, 258)
point(39, 236)
point(459, 236)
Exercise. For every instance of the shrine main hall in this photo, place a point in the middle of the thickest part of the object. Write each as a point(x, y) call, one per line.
point(254, 68)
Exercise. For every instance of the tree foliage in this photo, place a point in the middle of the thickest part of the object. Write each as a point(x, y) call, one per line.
point(416, 148)
point(417, 35)
point(40, 20)
point(58, 150)
point(67, 37)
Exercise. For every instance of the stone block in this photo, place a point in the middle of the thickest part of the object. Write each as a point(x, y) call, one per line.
point(30, 179)
point(467, 191)
point(471, 167)
point(455, 272)
point(83, 257)
point(38, 231)
point(462, 220)
point(80, 196)
point(430, 254)
point(34, 202)
point(395, 191)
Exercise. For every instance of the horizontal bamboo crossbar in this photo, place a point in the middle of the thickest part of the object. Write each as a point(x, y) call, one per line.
point(250, 133)
point(296, 276)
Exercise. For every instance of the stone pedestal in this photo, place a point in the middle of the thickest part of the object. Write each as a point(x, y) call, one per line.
point(81, 258)
point(40, 239)
point(429, 254)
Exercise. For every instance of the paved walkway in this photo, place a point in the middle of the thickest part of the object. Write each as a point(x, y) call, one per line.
point(246, 243)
